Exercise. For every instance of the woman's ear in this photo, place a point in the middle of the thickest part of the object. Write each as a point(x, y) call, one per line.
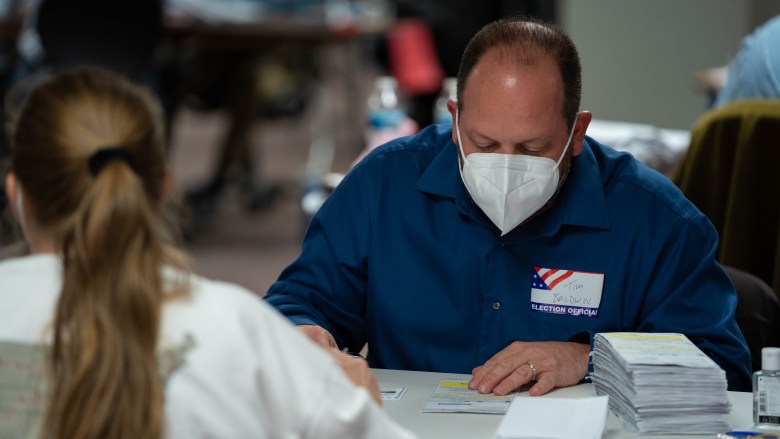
point(10, 194)
point(38, 240)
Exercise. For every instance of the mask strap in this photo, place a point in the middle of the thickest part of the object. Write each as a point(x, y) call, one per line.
point(571, 134)
point(460, 142)
point(457, 133)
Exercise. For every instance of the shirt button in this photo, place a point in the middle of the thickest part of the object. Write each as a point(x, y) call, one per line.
point(496, 305)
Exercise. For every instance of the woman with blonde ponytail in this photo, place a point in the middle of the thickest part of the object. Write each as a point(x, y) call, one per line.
point(110, 334)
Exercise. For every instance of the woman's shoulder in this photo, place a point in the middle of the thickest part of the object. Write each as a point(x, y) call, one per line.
point(218, 308)
point(215, 297)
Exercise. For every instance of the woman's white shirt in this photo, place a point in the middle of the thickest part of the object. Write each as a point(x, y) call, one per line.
point(237, 368)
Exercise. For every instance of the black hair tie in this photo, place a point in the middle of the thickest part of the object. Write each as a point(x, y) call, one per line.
point(105, 155)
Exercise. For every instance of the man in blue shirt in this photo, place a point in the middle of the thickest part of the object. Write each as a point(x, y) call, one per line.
point(500, 245)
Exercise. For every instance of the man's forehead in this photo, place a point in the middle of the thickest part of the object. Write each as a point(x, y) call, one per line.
point(495, 69)
point(514, 58)
point(499, 93)
point(510, 81)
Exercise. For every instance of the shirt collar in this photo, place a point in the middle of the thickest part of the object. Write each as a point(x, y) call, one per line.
point(581, 202)
point(442, 177)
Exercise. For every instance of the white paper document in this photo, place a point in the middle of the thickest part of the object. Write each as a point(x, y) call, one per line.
point(554, 418)
point(391, 393)
point(660, 383)
point(454, 396)
point(658, 349)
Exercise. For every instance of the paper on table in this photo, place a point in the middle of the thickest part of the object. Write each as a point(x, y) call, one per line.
point(662, 348)
point(454, 396)
point(554, 418)
point(660, 383)
point(391, 393)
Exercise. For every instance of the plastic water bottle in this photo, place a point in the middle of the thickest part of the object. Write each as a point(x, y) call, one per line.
point(766, 390)
point(385, 114)
point(449, 90)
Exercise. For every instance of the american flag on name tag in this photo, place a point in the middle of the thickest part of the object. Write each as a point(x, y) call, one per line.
point(549, 278)
point(569, 292)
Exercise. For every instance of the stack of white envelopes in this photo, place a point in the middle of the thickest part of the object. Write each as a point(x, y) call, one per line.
point(660, 383)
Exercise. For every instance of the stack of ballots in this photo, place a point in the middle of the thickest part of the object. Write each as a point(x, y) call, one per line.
point(660, 383)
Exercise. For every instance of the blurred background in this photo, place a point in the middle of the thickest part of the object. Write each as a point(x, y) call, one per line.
point(268, 101)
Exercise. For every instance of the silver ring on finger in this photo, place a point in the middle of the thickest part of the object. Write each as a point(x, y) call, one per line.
point(533, 370)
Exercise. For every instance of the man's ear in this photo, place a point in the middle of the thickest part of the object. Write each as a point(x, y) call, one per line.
point(452, 107)
point(580, 128)
point(10, 194)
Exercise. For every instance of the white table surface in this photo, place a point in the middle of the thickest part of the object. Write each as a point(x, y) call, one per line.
point(474, 426)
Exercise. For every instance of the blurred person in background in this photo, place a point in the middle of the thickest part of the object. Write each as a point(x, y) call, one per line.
point(754, 73)
point(116, 336)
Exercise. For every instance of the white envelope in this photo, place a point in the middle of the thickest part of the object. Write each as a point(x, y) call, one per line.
point(554, 418)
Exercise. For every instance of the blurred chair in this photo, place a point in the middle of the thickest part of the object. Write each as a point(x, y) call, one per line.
point(757, 314)
point(732, 173)
point(118, 35)
point(248, 82)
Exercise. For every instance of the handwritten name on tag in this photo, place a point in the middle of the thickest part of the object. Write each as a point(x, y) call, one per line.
point(568, 292)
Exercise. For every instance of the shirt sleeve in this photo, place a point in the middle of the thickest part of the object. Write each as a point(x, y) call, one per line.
point(690, 293)
point(326, 285)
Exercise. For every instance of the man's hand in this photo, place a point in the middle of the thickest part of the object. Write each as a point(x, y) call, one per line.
point(319, 335)
point(359, 373)
point(550, 364)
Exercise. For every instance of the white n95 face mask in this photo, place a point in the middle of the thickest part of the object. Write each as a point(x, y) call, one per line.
point(509, 188)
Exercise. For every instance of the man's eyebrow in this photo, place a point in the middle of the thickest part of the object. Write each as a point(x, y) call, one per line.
point(481, 136)
point(536, 141)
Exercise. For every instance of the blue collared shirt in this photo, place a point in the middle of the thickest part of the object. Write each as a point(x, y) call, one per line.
point(399, 256)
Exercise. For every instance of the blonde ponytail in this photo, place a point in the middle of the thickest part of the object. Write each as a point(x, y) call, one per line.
point(104, 376)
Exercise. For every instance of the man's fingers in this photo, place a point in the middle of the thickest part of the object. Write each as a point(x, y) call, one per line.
point(517, 378)
point(550, 364)
point(481, 373)
point(478, 376)
point(492, 375)
point(544, 384)
point(500, 366)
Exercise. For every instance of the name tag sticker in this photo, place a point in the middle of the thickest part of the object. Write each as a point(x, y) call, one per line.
point(567, 292)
